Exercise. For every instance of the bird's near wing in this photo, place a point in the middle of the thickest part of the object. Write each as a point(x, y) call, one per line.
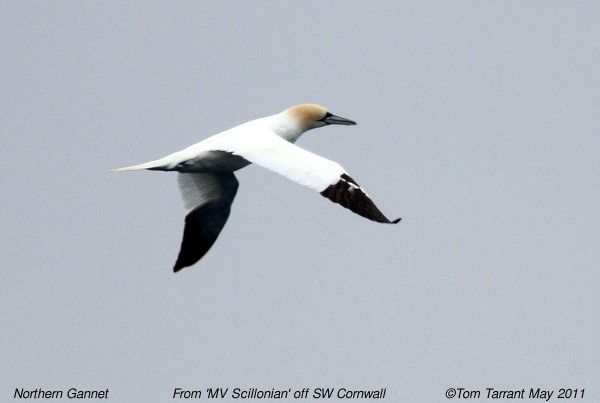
point(208, 198)
point(350, 195)
point(325, 176)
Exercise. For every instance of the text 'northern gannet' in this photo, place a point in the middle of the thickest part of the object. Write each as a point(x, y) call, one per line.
point(208, 185)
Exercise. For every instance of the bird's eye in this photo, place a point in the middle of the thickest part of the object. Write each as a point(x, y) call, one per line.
point(327, 115)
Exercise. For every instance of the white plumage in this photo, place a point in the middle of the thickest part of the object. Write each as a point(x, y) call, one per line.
point(208, 185)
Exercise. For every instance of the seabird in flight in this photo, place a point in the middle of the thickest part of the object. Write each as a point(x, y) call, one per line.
point(208, 185)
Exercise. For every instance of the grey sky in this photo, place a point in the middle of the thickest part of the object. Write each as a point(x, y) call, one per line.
point(478, 124)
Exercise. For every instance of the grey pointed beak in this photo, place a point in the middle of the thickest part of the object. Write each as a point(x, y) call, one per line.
point(331, 119)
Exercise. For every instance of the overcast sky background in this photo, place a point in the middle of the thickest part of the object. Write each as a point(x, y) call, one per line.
point(478, 124)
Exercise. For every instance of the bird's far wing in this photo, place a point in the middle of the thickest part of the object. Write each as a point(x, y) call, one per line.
point(309, 169)
point(208, 198)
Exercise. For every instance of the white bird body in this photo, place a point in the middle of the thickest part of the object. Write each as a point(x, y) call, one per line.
point(208, 185)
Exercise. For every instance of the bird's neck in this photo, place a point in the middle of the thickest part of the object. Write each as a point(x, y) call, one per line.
point(285, 129)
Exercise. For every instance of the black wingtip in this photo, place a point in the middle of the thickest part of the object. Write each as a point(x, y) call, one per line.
point(396, 221)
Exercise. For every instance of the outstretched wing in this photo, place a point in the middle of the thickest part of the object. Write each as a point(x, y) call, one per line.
point(208, 198)
point(350, 195)
point(325, 176)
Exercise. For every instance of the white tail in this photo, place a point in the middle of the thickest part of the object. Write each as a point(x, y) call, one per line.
point(159, 165)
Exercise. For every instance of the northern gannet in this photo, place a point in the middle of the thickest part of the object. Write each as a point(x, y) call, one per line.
point(208, 185)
